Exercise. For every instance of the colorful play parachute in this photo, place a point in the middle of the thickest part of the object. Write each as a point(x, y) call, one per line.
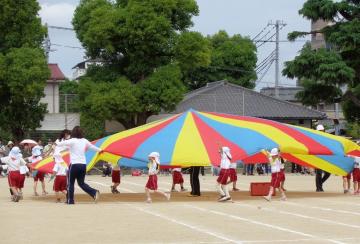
point(192, 138)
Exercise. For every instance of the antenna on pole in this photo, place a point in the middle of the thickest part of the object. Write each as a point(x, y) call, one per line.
point(279, 24)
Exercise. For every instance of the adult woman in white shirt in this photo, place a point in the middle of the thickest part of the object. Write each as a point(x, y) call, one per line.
point(77, 147)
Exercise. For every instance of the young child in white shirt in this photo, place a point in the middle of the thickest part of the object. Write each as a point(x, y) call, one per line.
point(154, 166)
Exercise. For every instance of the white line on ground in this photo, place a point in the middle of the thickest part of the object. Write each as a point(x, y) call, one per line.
point(261, 223)
point(339, 202)
point(193, 227)
point(299, 215)
point(322, 208)
point(297, 240)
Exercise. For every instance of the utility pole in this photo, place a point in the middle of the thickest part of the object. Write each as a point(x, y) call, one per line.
point(277, 24)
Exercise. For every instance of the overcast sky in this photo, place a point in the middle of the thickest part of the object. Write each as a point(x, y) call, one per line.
point(245, 17)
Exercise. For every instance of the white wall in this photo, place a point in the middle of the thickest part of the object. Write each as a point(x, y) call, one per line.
point(60, 121)
point(51, 97)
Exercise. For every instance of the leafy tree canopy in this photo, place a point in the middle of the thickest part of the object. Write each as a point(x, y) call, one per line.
point(23, 67)
point(323, 72)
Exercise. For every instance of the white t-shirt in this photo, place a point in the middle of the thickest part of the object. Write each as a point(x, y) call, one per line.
point(153, 168)
point(77, 148)
point(357, 162)
point(275, 165)
point(233, 165)
point(225, 161)
point(13, 164)
point(23, 169)
point(59, 149)
point(60, 169)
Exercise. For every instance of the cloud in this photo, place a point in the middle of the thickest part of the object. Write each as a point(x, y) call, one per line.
point(59, 14)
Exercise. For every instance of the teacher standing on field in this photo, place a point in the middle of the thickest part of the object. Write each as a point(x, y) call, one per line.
point(77, 147)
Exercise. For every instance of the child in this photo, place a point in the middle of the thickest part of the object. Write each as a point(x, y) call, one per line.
point(115, 176)
point(60, 183)
point(222, 179)
point(177, 179)
point(35, 157)
point(233, 175)
point(346, 183)
point(275, 163)
point(356, 175)
point(282, 174)
point(13, 163)
point(23, 171)
point(153, 165)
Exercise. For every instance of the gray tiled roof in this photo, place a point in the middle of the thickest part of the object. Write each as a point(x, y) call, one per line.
point(224, 97)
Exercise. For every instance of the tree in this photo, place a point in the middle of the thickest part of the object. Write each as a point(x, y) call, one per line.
point(23, 67)
point(138, 42)
point(232, 58)
point(324, 72)
point(22, 82)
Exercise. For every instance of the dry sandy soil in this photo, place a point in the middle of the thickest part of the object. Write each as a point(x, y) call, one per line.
point(307, 216)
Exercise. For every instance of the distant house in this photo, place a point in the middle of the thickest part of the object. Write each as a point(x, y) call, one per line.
point(285, 93)
point(224, 97)
point(80, 68)
point(54, 120)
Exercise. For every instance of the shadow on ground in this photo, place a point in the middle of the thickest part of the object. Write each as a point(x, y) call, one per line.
point(183, 197)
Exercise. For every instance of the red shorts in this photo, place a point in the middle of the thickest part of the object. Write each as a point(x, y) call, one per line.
point(14, 178)
point(60, 183)
point(348, 176)
point(233, 175)
point(275, 179)
point(356, 175)
point(22, 180)
point(152, 182)
point(282, 175)
point(39, 176)
point(177, 177)
point(223, 176)
point(115, 176)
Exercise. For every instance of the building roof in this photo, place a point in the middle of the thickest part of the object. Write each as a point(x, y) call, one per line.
point(285, 93)
point(56, 73)
point(224, 97)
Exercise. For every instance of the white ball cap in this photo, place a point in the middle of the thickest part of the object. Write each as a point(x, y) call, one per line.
point(274, 152)
point(320, 127)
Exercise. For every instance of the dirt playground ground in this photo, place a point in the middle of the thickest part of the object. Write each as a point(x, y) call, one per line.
point(307, 216)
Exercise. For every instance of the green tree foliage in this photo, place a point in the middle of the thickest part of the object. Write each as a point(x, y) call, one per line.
point(22, 80)
point(137, 41)
point(232, 58)
point(323, 72)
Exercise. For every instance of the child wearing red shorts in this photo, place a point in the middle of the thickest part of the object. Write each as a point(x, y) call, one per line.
point(275, 163)
point(356, 175)
point(346, 183)
point(115, 177)
point(39, 176)
point(177, 179)
point(13, 162)
point(224, 174)
point(60, 183)
point(23, 171)
point(233, 175)
point(151, 185)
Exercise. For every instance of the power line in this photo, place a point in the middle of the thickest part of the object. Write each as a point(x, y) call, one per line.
point(260, 32)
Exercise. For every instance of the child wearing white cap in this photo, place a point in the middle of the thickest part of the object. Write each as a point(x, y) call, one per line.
point(224, 174)
point(13, 162)
point(151, 185)
point(38, 176)
point(275, 163)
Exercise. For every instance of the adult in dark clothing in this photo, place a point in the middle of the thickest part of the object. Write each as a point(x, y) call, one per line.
point(194, 181)
point(320, 178)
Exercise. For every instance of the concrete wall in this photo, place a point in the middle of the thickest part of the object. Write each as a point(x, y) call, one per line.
point(51, 97)
point(57, 122)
